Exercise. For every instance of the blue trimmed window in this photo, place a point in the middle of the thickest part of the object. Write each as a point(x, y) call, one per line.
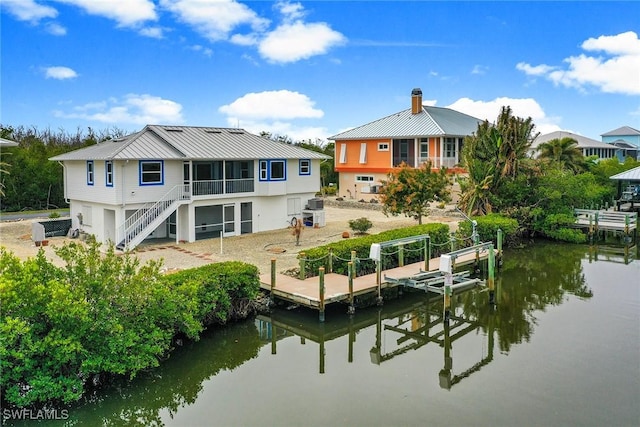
point(305, 167)
point(90, 172)
point(151, 172)
point(273, 170)
point(108, 173)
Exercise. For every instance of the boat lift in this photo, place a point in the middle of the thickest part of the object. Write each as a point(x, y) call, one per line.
point(445, 282)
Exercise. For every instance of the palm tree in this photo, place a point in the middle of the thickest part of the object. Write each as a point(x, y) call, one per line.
point(493, 155)
point(563, 153)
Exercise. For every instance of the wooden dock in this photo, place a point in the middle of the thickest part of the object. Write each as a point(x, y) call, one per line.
point(310, 293)
point(606, 220)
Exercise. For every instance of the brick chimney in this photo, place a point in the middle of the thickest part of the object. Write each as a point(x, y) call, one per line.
point(416, 101)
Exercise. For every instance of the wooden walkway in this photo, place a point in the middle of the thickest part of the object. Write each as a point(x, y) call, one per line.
point(336, 286)
point(594, 220)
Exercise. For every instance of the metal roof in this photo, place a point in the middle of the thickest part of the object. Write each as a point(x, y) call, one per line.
point(431, 121)
point(630, 175)
point(583, 141)
point(190, 143)
point(622, 131)
point(8, 143)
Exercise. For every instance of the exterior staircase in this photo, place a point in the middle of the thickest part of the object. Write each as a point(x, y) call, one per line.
point(138, 226)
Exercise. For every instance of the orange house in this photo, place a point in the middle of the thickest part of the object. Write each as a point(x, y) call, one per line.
point(366, 154)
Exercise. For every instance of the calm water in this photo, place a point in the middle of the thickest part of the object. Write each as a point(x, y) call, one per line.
point(561, 348)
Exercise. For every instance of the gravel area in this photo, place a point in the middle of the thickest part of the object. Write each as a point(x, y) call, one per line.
point(257, 248)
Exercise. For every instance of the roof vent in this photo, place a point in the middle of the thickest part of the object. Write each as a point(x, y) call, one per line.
point(173, 130)
point(213, 131)
point(237, 132)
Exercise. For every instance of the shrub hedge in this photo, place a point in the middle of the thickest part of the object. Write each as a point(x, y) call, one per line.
point(318, 257)
point(487, 228)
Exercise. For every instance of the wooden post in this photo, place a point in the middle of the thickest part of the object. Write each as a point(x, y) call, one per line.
point(352, 308)
point(401, 256)
point(303, 273)
point(491, 278)
point(427, 252)
point(500, 237)
point(321, 291)
point(273, 277)
point(330, 260)
point(447, 303)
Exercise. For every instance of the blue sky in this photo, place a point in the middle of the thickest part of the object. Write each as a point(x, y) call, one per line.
point(310, 70)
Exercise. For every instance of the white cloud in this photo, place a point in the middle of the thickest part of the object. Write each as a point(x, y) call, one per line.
point(204, 50)
point(280, 104)
point(55, 29)
point(134, 108)
point(127, 13)
point(290, 11)
point(521, 107)
point(153, 32)
point(29, 10)
point(299, 40)
point(479, 69)
point(616, 70)
point(60, 73)
point(274, 111)
point(215, 19)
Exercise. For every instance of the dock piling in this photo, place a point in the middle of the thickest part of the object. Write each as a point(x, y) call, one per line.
point(491, 279)
point(351, 309)
point(303, 273)
point(321, 291)
point(273, 279)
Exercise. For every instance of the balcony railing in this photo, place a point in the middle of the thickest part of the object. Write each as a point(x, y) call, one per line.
point(223, 186)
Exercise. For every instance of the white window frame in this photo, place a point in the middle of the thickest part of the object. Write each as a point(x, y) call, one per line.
point(363, 152)
point(304, 167)
point(383, 146)
point(343, 152)
point(142, 172)
point(108, 173)
point(364, 178)
point(91, 172)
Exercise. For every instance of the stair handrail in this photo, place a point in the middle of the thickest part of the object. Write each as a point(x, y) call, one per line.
point(144, 216)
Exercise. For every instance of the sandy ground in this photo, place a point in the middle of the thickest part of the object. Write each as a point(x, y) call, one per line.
point(257, 249)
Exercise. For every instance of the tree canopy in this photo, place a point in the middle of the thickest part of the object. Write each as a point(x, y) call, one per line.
point(409, 190)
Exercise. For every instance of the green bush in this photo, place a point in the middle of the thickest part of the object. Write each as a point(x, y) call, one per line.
point(318, 256)
point(558, 227)
point(487, 228)
point(101, 315)
point(54, 214)
point(360, 225)
point(570, 235)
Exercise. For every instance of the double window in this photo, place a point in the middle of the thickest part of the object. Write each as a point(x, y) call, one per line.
point(151, 172)
point(273, 170)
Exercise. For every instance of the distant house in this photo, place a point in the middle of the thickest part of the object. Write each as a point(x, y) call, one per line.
point(187, 183)
point(7, 143)
point(588, 146)
point(366, 154)
point(626, 139)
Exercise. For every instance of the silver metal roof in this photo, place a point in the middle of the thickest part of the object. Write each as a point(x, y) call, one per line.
point(8, 143)
point(622, 131)
point(630, 175)
point(190, 143)
point(432, 121)
point(583, 141)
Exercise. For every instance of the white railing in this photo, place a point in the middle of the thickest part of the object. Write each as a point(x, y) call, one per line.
point(223, 186)
point(140, 220)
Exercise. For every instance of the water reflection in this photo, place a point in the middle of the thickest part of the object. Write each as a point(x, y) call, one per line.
point(531, 281)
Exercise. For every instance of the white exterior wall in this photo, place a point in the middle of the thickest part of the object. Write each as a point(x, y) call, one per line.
point(269, 201)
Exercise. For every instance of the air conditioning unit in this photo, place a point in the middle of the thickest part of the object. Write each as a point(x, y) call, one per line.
point(315, 204)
